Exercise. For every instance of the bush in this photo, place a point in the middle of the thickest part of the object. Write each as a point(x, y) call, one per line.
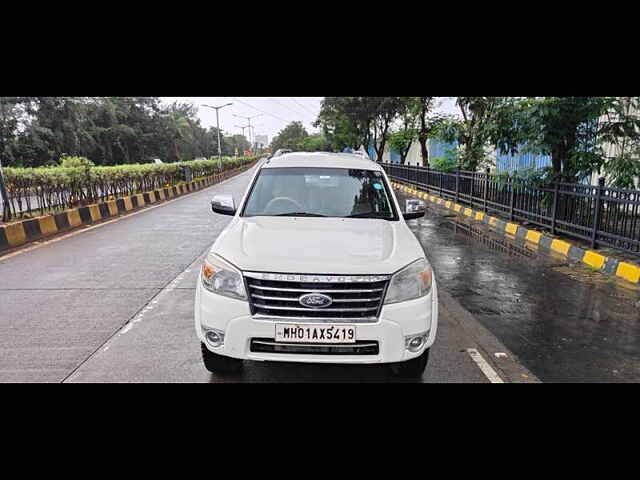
point(78, 181)
point(68, 162)
point(444, 164)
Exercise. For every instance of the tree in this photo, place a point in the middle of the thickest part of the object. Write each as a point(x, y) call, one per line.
point(289, 136)
point(57, 126)
point(356, 121)
point(109, 130)
point(402, 137)
point(563, 127)
point(482, 125)
point(313, 143)
point(235, 143)
point(619, 140)
point(343, 122)
point(424, 106)
point(384, 111)
point(9, 122)
point(574, 130)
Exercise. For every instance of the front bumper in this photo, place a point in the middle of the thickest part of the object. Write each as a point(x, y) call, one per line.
point(396, 321)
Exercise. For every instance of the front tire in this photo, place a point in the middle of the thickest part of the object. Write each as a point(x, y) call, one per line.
point(413, 368)
point(219, 363)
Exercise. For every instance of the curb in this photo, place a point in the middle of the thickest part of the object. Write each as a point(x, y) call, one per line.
point(607, 265)
point(25, 231)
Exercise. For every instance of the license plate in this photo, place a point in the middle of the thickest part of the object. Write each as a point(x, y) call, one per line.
point(291, 333)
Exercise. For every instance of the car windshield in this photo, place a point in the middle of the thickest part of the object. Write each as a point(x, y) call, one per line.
point(320, 192)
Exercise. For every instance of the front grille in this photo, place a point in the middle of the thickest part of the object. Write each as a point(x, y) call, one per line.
point(354, 297)
point(269, 345)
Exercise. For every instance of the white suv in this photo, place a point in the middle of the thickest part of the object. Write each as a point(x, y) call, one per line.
point(317, 265)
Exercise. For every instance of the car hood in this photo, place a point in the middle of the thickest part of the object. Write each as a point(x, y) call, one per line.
point(318, 245)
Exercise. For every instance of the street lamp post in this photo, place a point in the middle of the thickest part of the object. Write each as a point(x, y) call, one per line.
point(255, 143)
point(248, 123)
point(242, 128)
point(218, 128)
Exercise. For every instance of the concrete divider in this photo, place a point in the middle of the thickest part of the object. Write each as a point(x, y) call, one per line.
point(607, 265)
point(18, 233)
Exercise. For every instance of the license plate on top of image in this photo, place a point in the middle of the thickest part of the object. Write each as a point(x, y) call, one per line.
point(291, 333)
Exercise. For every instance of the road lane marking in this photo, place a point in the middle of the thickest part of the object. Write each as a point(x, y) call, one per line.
point(166, 290)
point(128, 215)
point(489, 372)
point(153, 301)
point(139, 315)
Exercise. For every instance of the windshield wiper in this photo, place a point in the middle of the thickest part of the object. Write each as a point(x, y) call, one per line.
point(298, 214)
point(368, 215)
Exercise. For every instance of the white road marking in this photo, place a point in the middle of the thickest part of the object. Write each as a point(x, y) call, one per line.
point(489, 372)
point(117, 219)
point(138, 318)
point(164, 292)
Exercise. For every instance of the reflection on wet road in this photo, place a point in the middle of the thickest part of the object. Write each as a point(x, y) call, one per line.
point(565, 322)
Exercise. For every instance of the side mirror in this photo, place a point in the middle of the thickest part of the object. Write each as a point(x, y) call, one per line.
point(414, 208)
point(223, 204)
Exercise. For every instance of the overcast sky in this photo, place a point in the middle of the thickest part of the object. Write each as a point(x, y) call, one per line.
point(274, 113)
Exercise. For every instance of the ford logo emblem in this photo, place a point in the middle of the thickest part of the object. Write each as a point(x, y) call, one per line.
point(315, 300)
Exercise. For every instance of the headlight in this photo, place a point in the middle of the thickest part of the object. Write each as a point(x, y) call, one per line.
point(220, 277)
point(413, 281)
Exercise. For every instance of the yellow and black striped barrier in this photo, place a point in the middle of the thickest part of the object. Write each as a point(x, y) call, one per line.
point(21, 232)
point(607, 265)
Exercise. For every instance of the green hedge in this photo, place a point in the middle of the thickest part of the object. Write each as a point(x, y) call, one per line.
point(79, 182)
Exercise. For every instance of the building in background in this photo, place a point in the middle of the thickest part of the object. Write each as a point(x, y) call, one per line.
point(414, 156)
point(261, 141)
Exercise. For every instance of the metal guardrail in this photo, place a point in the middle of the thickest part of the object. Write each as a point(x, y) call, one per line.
point(602, 216)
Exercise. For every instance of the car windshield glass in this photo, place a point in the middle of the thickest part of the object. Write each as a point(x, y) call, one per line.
point(320, 192)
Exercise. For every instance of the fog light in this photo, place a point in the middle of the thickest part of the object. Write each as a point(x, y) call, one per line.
point(215, 338)
point(414, 343)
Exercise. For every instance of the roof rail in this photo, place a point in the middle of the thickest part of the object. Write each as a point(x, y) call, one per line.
point(361, 154)
point(281, 151)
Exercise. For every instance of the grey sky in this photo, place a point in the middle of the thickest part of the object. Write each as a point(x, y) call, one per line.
point(278, 112)
point(274, 112)
point(448, 105)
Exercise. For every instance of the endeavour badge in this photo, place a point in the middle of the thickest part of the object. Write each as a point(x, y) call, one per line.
point(315, 300)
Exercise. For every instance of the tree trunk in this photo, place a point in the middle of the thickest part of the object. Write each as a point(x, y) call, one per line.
point(175, 147)
point(383, 141)
point(365, 143)
point(404, 153)
point(557, 160)
point(380, 151)
point(425, 152)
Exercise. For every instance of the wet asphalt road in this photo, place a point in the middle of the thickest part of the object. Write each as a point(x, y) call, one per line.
point(115, 304)
point(63, 307)
point(565, 322)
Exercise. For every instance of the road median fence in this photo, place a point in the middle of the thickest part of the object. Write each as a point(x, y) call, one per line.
point(598, 215)
point(596, 261)
point(18, 233)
